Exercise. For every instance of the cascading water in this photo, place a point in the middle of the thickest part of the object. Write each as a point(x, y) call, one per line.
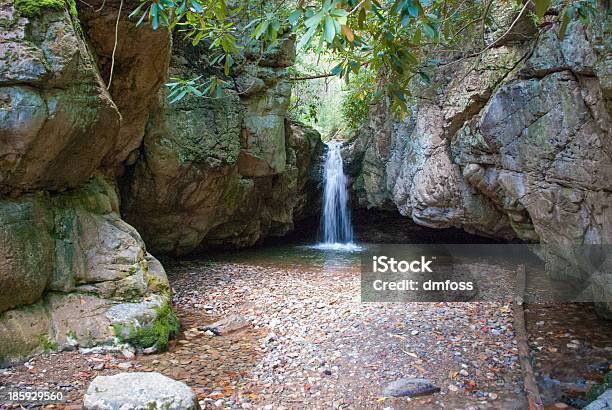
point(336, 218)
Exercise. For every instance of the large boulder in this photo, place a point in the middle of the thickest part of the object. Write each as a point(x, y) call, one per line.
point(57, 121)
point(139, 390)
point(72, 262)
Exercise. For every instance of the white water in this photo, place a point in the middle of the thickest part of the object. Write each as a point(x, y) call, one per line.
point(336, 218)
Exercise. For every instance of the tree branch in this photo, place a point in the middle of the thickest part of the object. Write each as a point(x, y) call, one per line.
point(311, 77)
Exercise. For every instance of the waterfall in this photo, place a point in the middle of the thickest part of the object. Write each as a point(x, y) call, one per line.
point(336, 217)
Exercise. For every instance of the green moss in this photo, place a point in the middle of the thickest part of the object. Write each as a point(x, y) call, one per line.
point(34, 8)
point(164, 327)
point(73, 12)
point(157, 285)
point(46, 344)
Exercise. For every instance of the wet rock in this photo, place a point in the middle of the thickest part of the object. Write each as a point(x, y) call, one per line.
point(410, 387)
point(138, 390)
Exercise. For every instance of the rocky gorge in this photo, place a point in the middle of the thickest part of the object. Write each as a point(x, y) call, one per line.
point(101, 174)
point(95, 162)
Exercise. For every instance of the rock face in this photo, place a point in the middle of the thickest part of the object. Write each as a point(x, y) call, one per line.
point(69, 262)
point(80, 111)
point(57, 121)
point(223, 172)
point(514, 146)
point(72, 262)
point(140, 68)
point(139, 390)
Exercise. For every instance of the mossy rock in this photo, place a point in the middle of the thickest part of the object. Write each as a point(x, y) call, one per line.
point(158, 333)
point(35, 8)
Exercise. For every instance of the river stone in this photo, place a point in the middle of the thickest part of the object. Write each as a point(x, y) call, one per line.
point(603, 402)
point(227, 325)
point(138, 390)
point(410, 387)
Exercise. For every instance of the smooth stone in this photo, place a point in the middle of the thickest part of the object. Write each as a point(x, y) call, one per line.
point(410, 387)
point(139, 390)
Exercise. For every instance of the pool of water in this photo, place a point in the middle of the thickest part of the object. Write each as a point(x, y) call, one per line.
point(311, 257)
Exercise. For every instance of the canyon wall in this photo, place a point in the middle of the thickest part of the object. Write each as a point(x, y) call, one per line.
point(513, 143)
point(223, 172)
point(88, 141)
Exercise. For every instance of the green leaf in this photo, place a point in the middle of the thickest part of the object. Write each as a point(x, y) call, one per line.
point(179, 97)
point(195, 91)
point(229, 61)
point(361, 19)
point(219, 93)
point(196, 7)
point(336, 70)
point(330, 30)
point(294, 17)
point(314, 20)
point(305, 40)
point(413, 10)
point(276, 25)
point(339, 13)
point(425, 78)
point(416, 40)
point(182, 7)
point(137, 10)
point(410, 58)
point(429, 31)
point(141, 19)
point(261, 28)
